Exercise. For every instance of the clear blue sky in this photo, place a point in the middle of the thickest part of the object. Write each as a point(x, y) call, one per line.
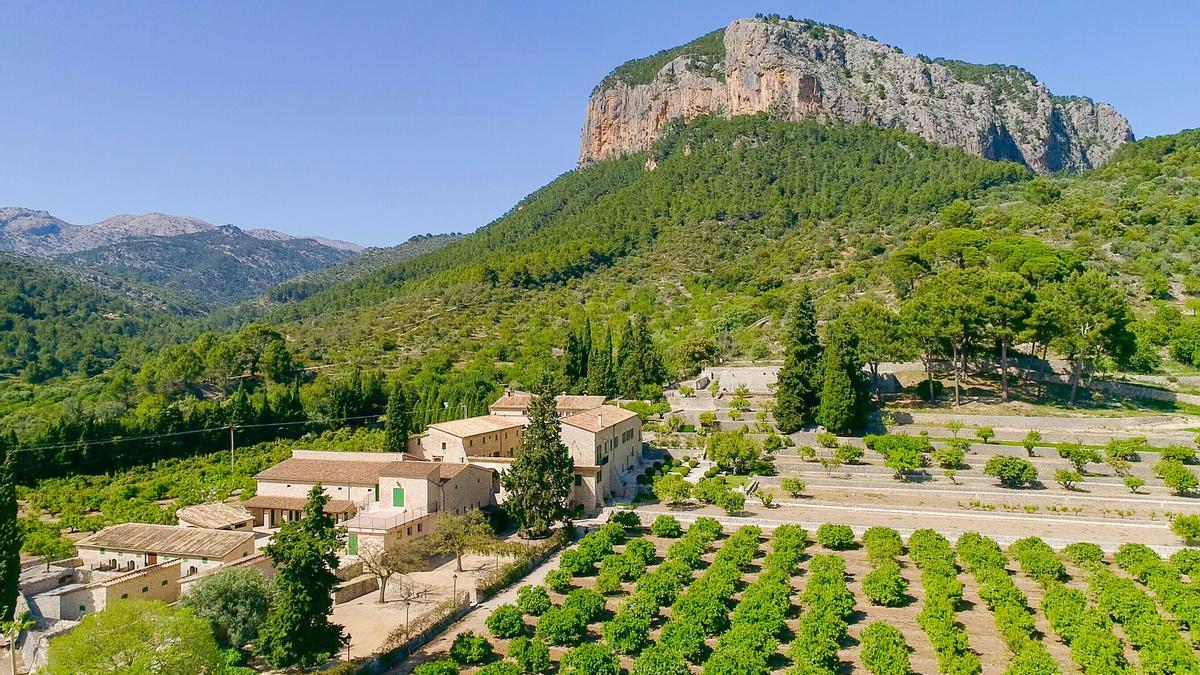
point(375, 121)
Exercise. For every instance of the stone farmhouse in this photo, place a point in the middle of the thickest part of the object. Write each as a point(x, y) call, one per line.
point(131, 546)
point(379, 497)
point(605, 442)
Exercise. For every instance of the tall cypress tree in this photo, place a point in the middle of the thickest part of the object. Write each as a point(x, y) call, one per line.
point(297, 631)
point(601, 378)
point(796, 394)
point(10, 534)
point(845, 390)
point(540, 481)
point(585, 352)
point(628, 362)
point(398, 425)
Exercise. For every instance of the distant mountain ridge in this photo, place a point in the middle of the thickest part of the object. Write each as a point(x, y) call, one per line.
point(209, 265)
point(39, 233)
point(794, 69)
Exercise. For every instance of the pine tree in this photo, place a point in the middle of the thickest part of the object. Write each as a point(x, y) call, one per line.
point(844, 389)
point(601, 378)
point(10, 534)
point(540, 481)
point(796, 394)
point(297, 631)
point(398, 424)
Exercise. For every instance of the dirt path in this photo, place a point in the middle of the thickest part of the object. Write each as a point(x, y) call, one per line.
point(922, 658)
point(984, 637)
point(1033, 595)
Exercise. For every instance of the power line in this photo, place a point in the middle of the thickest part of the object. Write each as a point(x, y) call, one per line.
point(126, 439)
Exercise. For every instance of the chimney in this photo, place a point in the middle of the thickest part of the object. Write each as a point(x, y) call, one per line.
point(600, 420)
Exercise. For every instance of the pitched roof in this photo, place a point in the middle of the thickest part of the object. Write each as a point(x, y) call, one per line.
point(452, 469)
point(599, 418)
point(168, 540)
point(296, 504)
point(214, 515)
point(520, 400)
point(473, 426)
point(327, 471)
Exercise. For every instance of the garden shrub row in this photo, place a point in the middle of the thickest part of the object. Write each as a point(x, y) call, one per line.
point(705, 601)
point(932, 554)
point(827, 604)
point(1161, 648)
point(761, 614)
point(567, 623)
point(1180, 600)
point(1009, 606)
point(592, 548)
point(1038, 560)
point(883, 650)
point(1086, 630)
point(884, 584)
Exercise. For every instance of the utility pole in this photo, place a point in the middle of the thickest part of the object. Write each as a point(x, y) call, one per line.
point(231, 446)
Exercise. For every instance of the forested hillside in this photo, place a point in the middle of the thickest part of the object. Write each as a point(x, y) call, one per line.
point(56, 320)
point(705, 241)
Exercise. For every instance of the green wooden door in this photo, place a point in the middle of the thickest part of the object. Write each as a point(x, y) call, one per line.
point(397, 496)
point(352, 544)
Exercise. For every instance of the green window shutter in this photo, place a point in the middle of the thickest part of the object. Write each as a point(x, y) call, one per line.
point(397, 496)
point(376, 492)
point(352, 545)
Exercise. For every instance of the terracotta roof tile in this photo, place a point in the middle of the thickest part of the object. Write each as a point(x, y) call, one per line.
point(167, 540)
point(600, 418)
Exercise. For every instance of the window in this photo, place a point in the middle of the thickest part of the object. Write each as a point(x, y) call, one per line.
point(352, 544)
point(443, 446)
point(397, 497)
point(419, 528)
point(204, 561)
point(83, 608)
point(376, 492)
point(145, 589)
point(164, 582)
point(124, 596)
point(101, 551)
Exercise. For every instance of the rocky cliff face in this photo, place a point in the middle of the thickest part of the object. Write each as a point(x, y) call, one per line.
point(804, 70)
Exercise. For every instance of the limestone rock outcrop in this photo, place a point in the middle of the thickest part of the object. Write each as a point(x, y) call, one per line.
point(804, 70)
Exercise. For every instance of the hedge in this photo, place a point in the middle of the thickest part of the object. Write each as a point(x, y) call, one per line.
point(883, 650)
point(932, 554)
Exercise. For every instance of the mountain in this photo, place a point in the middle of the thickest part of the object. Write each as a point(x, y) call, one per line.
point(217, 265)
point(40, 234)
point(214, 265)
point(806, 70)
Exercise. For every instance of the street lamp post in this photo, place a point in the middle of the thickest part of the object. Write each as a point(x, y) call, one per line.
point(455, 592)
point(407, 603)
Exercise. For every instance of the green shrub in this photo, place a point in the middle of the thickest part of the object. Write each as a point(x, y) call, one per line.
point(827, 439)
point(625, 567)
point(506, 622)
point(882, 543)
point(533, 600)
point(561, 626)
point(885, 586)
point(1011, 471)
point(588, 603)
point(470, 649)
point(883, 650)
point(1084, 554)
point(684, 638)
point(641, 549)
point(531, 656)
point(628, 632)
point(1037, 560)
point(1187, 527)
point(666, 526)
point(792, 486)
point(848, 454)
point(590, 658)
point(576, 563)
point(500, 668)
point(559, 580)
point(660, 660)
point(608, 582)
point(626, 519)
point(835, 537)
point(441, 667)
point(732, 502)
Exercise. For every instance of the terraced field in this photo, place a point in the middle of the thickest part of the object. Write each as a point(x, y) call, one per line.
point(712, 600)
